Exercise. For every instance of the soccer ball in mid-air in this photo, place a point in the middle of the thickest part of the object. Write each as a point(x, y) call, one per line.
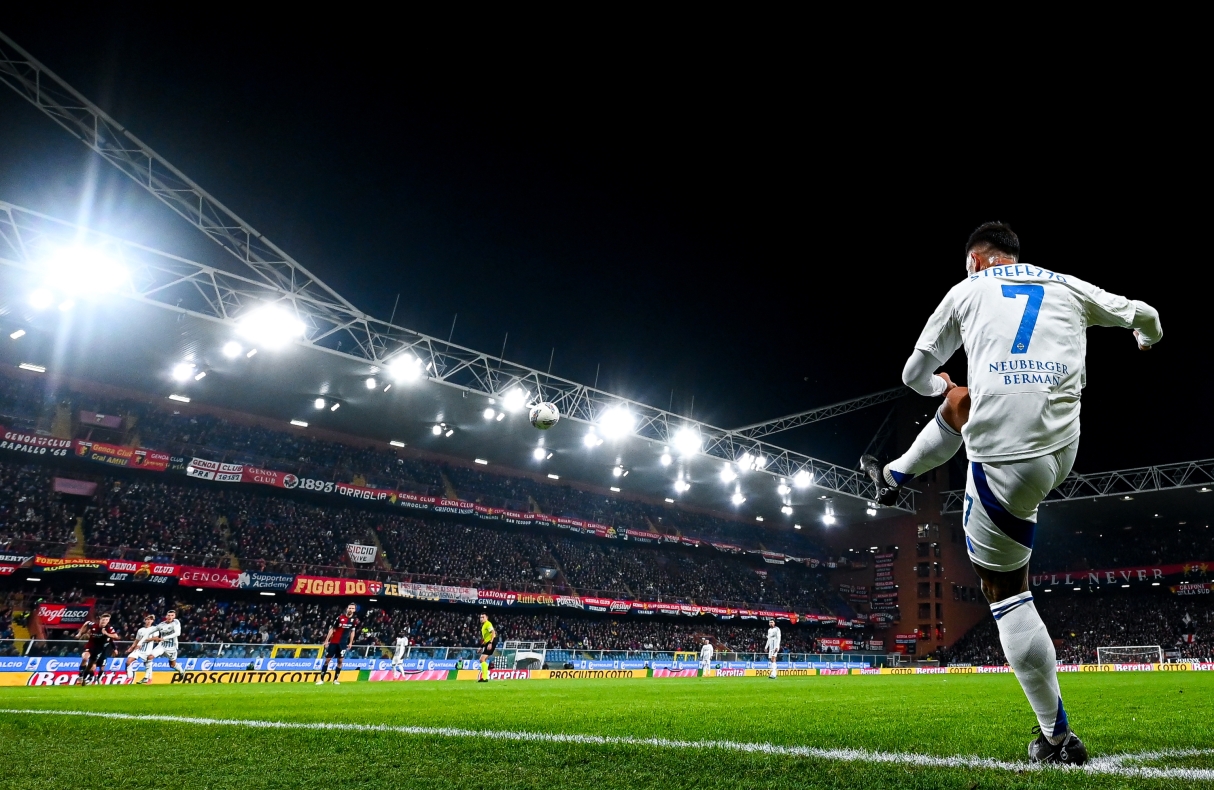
point(544, 416)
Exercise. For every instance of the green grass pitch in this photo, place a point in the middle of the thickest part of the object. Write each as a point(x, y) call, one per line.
point(899, 717)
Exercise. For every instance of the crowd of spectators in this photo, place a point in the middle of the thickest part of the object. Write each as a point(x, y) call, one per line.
point(1082, 622)
point(1126, 546)
point(30, 510)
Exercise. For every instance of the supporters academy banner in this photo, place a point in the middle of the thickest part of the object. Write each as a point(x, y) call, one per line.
point(227, 579)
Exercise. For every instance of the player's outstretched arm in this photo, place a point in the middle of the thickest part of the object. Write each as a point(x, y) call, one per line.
point(1147, 329)
point(918, 374)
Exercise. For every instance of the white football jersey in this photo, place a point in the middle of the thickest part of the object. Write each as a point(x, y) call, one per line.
point(773, 639)
point(1024, 330)
point(168, 634)
point(143, 635)
point(706, 653)
point(402, 642)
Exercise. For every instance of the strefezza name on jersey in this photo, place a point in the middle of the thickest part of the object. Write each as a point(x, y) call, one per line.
point(1041, 372)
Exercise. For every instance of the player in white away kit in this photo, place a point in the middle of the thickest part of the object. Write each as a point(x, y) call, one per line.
point(1024, 330)
point(773, 646)
point(398, 656)
point(141, 650)
point(164, 643)
point(705, 658)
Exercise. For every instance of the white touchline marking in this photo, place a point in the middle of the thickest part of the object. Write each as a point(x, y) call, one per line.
point(1110, 766)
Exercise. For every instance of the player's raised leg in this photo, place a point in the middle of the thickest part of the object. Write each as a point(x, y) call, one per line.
point(939, 441)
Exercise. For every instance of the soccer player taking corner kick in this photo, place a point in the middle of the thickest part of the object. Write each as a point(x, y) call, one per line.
point(1023, 328)
point(488, 645)
point(338, 640)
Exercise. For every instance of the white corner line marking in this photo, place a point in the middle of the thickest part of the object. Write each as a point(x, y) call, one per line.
point(1105, 766)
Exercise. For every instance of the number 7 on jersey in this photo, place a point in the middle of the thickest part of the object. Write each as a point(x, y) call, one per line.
point(1028, 322)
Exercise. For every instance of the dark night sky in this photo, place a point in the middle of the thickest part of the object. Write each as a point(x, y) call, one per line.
point(749, 226)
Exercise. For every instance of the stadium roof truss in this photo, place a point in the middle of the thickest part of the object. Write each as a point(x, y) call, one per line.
point(267, 275)
point(1122, 482)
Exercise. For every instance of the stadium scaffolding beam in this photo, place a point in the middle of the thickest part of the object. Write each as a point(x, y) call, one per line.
point(331, 322)
point(760, 429)
point(28, 238)
point(1122, 482)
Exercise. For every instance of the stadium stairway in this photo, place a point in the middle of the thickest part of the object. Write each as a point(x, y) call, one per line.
point(381, 556)
point(61, 423)
point(535, 506)
point(78, 549)
point(450, 489)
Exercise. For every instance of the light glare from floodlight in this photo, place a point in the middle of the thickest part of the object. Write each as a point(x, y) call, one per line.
point(81, 271)
point(395, 443)
point(232, 349)
point(20, 333)
point(179, 398)
point(449, 433)
point(371, 383)
point(436, 430)
point(828, 520)
point(681, 485)
point(539, 453)
point(666, 459)
point(406, 367)
point(200, 375)
point(270, 326)
point(783, 489)
point(490, 414)
point(616, 422)
point(786, 510)
point(299, 423)
point(737, 498)
point(687, 441)
point(515, 399)
point(319, 403)
point(746, 462)
point(183, 371)
point(335, 407)
point(728, 475)
point(591, 439)
point(501, 415)
point(617, 471)
point(41, 299)
point(802, 479)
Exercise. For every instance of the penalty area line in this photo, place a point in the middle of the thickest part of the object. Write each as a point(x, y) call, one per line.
point(1108, 766)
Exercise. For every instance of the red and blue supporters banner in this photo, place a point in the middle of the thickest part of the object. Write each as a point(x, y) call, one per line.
point(119, 455)
point(32, 444)
point(324, 585)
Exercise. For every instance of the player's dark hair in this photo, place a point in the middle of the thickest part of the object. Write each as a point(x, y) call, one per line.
point(998, 235)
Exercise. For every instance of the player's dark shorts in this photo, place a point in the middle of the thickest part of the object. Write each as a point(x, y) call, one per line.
point(98, 649)
point(333, 650)
point(488, 648)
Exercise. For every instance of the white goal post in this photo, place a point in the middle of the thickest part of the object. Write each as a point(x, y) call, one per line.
point(1129, 654)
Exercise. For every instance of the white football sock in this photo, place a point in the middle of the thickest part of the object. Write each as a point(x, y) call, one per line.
point(1030, 652)
point(934, 445)
point(148, 673)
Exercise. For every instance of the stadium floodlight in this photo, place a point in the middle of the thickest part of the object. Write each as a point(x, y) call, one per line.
point(481, 461)
point(232, 349)
point(67, 304)
point(319, 403)
point(796, 526)
point(395, 443)
point(728, 475)
point(200, 375)
point(666, 459)
point(539, 453)
point(681, 485)
point(548, 457)
point(84, 271)
point(616, 422)
point(335, 407)
point(371, 383)
point(591, 439)
point(687, 441)
point(183, 371)
point(436, 430)
point(613, 488)
point(669, 500)
point(554, 477)
point(617, 471)
point(179, 398)
point(746, 463)
point(20, 333)
point(761, 461)
point(270, 326)
point(32, 367)
point(501, 415)
point(251, 354)
point(802, 479)
point(515, 399)
point(737, 498)
point(299, 423)
point(406, 367)
point(489, 414)
point(449, 433)
point(783, 489)
point(41, 299)
point(870, 511)
point(758, 518)
point(786, 510)
point(828, 519)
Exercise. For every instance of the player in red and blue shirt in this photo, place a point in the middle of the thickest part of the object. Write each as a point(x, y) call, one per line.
point(339, 639)
point(101, 637)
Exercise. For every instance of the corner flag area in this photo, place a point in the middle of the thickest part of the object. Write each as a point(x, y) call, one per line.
point(1149, 730)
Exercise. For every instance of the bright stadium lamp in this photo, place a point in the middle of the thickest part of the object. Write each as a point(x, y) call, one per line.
point(437, 430)
point(319, 403)
point(737, 498)
point(183, 371)
point(681, 485)
point(591, 439)
point(617, 471)
point(828, 520)
point(728, 475)
point(270, 326)
point(666, 459)
point(687, 441)
point(489, 414)
point(539, 453)
point(371, 383)
point(406, 367)
point(783, 489)
point(84, 271)
point(802, 479)
point(746, 462)
point(616, 422)
point(41, 299)
point(232, 349)
point(515, 399)
point(786, 510)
